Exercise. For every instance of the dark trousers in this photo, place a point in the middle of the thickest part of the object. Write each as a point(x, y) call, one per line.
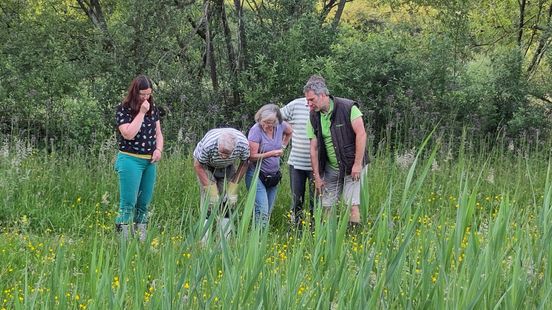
point(298, 182)
point(221, 176)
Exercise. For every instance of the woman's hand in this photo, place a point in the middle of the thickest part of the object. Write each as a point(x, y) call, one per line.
point(156, 156)
point(144, 108)
point(274, 153)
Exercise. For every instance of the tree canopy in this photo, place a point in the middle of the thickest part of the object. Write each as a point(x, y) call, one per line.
point(480, 65)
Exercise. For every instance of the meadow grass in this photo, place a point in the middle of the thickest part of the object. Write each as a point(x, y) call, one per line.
point(441, 229)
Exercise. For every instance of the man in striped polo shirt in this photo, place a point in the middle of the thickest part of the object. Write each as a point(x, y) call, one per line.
point(215, 158)
point(296, 113)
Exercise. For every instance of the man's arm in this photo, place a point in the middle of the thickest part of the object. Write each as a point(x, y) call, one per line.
point(200, 172)
point(360, 146)
point(287, 134)
point(242, 168)
point(318, 182)
point(287, 112)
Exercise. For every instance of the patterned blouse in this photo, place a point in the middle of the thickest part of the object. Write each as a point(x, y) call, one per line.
point(145, 140)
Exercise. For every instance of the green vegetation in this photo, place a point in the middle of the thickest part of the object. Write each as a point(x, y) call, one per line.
point(465, 222)
point(442, 229)
point(484, 64)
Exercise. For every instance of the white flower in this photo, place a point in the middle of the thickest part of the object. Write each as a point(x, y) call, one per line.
point(490, 177)
point(435, 166)
point(405, 160)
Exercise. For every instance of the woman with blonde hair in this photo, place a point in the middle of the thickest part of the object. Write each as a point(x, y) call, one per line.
point(267, 140)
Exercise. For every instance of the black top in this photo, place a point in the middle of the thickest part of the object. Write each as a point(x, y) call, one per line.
point(145, 140)
point(343, 136)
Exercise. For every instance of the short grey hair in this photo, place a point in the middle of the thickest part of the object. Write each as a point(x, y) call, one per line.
point(226, 141)
point(268, 112)
point(317, 84)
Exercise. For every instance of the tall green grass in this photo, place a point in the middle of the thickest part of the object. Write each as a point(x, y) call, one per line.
point(441, 229)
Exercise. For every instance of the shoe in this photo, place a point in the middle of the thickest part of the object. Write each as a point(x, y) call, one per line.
point(123, 230)
point(141, 231)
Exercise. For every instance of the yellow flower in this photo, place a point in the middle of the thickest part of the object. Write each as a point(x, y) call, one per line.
point(115, 283)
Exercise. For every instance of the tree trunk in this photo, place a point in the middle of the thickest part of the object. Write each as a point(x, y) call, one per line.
point(209, 51)
point(521, 21)
point(338, 14)
point(327, 7)
point(232, 63)
point(242, 44)
point(183, 43)
point(227, 38)
point(544, 41)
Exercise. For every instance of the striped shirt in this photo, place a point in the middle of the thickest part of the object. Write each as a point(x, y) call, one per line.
point(207, 152)
point(296, 113)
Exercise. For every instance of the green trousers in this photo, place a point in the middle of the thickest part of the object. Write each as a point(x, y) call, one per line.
point(136, 184)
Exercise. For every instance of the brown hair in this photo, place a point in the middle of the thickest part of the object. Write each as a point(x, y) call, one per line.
point(132, 99)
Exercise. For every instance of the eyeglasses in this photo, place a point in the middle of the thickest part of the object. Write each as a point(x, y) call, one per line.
point(145, 94)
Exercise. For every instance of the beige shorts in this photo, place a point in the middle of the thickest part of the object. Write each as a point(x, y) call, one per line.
point(335, 187)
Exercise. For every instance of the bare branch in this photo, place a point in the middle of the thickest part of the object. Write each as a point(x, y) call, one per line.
point(544, 42)
point(93, 10)
point(521, 21)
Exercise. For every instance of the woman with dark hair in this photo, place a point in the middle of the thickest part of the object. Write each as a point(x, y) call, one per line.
point(140, 148)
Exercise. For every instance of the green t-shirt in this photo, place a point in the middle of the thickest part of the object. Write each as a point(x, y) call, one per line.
point(326, 135)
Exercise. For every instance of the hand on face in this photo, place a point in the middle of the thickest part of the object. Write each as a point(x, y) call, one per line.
point(144, 108)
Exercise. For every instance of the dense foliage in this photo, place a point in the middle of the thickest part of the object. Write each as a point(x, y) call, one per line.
point(480, 65)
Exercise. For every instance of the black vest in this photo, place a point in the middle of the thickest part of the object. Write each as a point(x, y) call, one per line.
point(343, 136)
